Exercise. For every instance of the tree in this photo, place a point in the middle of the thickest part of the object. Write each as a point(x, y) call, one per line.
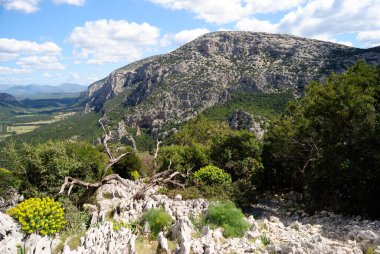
point(42, 167)
point(327, 144)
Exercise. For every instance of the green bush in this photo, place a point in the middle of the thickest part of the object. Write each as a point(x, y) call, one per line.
point(8, 180)
point(44, 166)
point(184, 158)
point(327, 144)
point(42, 216)
point(229, 217)
point(212, 175)
point(77, 220)
point(128, 167)
point(158, 220)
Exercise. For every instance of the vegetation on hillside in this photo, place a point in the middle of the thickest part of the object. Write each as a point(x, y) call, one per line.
point(327, 144)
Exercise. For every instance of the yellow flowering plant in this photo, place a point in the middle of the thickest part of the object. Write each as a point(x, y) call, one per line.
point(39, 215)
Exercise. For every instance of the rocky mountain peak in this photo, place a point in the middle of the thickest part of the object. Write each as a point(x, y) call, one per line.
point(205, 72)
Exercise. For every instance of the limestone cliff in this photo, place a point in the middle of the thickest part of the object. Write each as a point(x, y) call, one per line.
point(203, 73)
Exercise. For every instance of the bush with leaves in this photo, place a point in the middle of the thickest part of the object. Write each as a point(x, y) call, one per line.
point(42, 216)
point(44, 166)
point(158, 220)
point(229, 217)
point(184, 158)
point(8, 180)
point(128, 166)
point(327, 143)
point(212, 175)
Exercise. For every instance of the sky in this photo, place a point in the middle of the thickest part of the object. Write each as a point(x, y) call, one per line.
point(81, 41)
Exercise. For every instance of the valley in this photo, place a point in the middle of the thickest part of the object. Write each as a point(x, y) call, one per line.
point(23, 116)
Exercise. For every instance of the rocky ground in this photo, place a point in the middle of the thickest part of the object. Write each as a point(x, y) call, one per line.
point(276, 226)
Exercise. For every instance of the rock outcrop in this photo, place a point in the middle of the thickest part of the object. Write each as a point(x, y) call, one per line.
point(205, 72)
point(273, 231)
point(241, 120)
point(10, 234)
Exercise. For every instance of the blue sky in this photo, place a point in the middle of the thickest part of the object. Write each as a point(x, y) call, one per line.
point(81, 41)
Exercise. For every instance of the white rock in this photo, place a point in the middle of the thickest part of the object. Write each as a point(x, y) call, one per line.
point(10, 234)
point(163, 246)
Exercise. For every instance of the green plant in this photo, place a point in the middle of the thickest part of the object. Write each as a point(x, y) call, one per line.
point(21, 249)
point(327, 143)
point(129, 166)
point(43, 216)
point(212, 175)
point(118, 225)
point(44, 166)
point(77, 220)
point(135, 175)
point(370, 250)
point(265, 239)
point(158, 220)
point(8, 180)
point(229, 217)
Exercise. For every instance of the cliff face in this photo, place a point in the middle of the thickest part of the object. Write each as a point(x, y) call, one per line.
point(204, 72)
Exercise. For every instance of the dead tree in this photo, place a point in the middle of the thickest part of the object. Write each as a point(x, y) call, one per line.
point(108, 137)
point(162, 178)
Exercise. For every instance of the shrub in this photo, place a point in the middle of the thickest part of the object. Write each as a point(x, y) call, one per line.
point(128, 167)
point(184, 158)
point(42, 216)
point(77, 220)
point(327, 144)
point(7, 180)
point(265, 239)
point(44, 166)
point(135, 175)
point(212, 175)
point(158, 220)
point(229, 217)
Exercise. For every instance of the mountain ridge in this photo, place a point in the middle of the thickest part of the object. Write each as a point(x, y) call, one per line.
point(205, 72)
point(31, 91)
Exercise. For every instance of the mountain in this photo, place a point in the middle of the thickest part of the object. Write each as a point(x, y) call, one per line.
point(7, 100)
point(34, 91)
point(205, 72)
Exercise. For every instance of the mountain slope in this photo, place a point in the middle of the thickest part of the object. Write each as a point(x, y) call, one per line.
point(43, 91)
point(207, 71)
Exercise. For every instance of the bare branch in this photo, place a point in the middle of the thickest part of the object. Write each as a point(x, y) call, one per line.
point(70, 181)
point(155, 156)
point(157, 149)
point(112, 162)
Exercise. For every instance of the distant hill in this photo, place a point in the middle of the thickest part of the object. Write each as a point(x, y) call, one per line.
point(8, 100)
point(35, 91)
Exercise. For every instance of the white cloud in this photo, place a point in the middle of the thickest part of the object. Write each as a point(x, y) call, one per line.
point(213, 11)
point(31, 55)
point(255, 25)
point(186, 36)
point(72, 2)
point(4, 57)
point(112, 40)
point(182, 37)
point(371, 38)
point(11, 71)
point(26, 6)
point(73, 76)
point(40, 62)
point(18, 46)
point(46, 75)
point(332, 17)
point(226, 11)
